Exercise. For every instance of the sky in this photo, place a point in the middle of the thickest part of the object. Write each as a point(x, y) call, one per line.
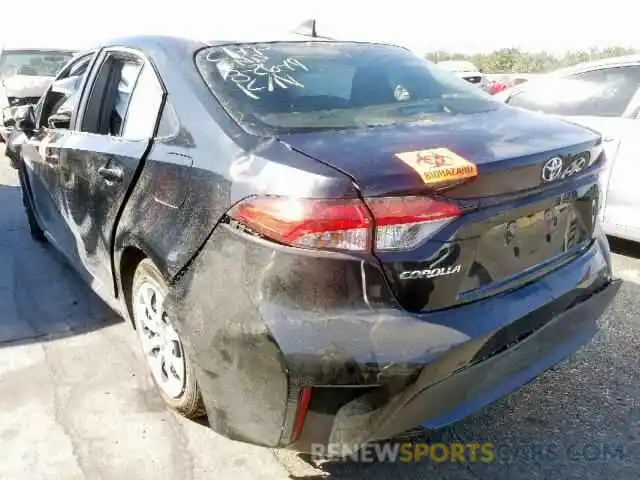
point(467, 26)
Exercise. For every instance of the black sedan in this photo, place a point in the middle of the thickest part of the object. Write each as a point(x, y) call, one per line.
point(318, 242)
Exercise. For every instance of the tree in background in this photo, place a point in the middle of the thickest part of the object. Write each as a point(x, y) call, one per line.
point(514, 60)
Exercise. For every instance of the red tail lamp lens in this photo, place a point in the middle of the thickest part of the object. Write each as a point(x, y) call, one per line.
point(301, 413)
point(346, 224)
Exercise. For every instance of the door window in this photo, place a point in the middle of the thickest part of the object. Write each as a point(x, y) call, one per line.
point(143, 106)
point(108, 103)
point(602, 93)
point(59, 102)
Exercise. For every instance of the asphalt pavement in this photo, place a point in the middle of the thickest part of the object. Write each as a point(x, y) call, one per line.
point(76, 401)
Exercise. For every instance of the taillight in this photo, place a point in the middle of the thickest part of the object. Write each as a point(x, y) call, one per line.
point(336, 224)
point(403, 222)
point(400, 223)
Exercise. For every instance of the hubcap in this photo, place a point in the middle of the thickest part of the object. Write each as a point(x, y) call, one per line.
point(160, 342)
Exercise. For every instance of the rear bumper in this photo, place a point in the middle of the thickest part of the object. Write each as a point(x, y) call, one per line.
point(375, 370)
point(435, 405)
point(479, 385)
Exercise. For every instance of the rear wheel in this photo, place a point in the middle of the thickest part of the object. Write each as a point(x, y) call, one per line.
point(161, 345)
point(34, 228)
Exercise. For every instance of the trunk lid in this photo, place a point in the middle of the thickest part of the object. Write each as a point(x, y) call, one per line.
point(516, 225)
point(612, 130)
point(507, 145)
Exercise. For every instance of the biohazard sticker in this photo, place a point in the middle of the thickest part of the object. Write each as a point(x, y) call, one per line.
point(438, 165)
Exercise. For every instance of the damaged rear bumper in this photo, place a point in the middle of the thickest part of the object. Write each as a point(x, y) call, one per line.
point(258, 337)
point(435, 405)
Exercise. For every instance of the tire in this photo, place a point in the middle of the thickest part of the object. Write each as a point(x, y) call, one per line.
point(170, 367)
point(34, 227)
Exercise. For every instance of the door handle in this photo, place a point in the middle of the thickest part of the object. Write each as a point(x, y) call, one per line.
point(608, 139)
point(111, 175)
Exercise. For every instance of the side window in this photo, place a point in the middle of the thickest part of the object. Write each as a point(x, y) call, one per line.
point(619, 86)
point(602, 93)
point(59, 103)
point(169, 125)
point(561, 96)
point(144, 106)
point(111, 92)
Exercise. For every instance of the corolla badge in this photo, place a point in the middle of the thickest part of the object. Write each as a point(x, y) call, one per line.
point(552, 169)
point(430, 272)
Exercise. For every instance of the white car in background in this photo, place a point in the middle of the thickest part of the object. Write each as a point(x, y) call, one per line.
point(605, 96)
point(464, 69)
point(25, 74)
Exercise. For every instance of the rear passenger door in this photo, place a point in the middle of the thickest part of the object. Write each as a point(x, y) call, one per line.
point(116, 122)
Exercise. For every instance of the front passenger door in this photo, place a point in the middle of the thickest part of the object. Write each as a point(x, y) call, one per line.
point(117, 122)
point(55, 114)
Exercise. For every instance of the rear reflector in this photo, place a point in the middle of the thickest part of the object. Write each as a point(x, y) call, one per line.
point(400, 223)
point(301, 413)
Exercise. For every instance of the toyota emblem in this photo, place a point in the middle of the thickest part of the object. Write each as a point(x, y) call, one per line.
point(552, 169)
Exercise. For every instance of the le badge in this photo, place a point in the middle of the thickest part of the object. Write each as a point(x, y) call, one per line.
point(438, 165)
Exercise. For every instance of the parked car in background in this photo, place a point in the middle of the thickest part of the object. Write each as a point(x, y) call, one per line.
point(497, 82)
point(605, 96)
point(495, 85)
point(24, 76)
point(465, 70)
point(318, 242)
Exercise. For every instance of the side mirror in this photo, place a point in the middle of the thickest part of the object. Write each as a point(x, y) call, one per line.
point(21, 117)
point(60, 120)
point(26, 119)
point(9, 117)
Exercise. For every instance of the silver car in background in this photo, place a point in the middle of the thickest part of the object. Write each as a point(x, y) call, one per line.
point(605, 96)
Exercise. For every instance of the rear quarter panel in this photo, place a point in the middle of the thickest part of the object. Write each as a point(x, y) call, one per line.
point(206, 164)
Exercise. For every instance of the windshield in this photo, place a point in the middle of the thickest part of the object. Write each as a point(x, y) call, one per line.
point(33, 63)
point(326, 85)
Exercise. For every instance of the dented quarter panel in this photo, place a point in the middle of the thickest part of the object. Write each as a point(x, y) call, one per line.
point(203, 167)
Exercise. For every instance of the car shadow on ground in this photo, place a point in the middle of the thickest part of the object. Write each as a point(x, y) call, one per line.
point(625, 247)
point(41, 297)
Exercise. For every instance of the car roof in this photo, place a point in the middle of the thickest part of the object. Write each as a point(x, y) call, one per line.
point(595, 64)
point(149, 42)
point(578, 68)
point(291, 37)
point(170, 43)
point(36, 50)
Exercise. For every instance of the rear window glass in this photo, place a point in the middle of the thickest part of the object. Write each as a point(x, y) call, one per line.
point(326, 85)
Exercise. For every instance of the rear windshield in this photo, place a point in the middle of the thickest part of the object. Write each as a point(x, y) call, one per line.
point(33, 63)
point(325, 85)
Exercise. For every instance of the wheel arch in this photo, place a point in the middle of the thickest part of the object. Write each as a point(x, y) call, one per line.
point(128, 259)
